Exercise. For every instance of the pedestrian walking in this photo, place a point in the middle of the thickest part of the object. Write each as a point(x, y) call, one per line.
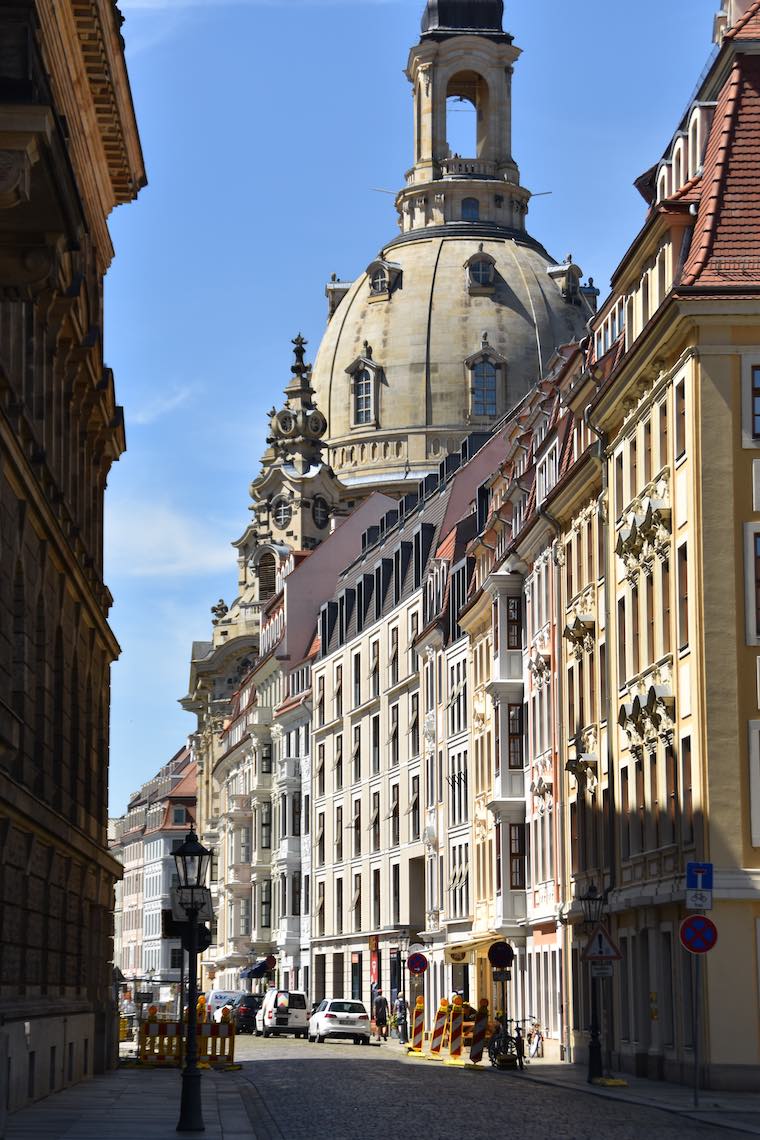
point(401, 1010)
point(381, 1015)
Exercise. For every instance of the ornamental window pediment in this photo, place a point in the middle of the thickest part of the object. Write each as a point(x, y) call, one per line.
point(366, 377)
point(584, 765)
point(539, 668)
point(488, 373)
point(646, 529)
point(580, 633)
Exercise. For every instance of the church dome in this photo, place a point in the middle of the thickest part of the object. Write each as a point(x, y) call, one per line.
point(464, 310)
point(458, 316)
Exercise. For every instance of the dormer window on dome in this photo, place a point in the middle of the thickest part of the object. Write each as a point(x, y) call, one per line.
point(366, 377)
point(481, 273)
point(384, 277)
point(488, 387)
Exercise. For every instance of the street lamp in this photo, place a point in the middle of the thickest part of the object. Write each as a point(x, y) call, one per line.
point(192, 860)
point(593, 906)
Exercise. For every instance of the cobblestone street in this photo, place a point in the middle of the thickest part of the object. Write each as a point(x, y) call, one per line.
point(341, 1092)
point(292, 1090)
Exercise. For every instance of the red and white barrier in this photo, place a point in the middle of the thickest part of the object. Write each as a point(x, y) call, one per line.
point(456, 1035)
point(418, 1026)
point(439, 1027)
point(479, 1032)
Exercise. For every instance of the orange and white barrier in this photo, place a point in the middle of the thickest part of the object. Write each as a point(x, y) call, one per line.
point(216, 1043)
point(442, 1016)
point(418, 1026)
point(160, 1043)
point(456, 1035)
point(479, 1033)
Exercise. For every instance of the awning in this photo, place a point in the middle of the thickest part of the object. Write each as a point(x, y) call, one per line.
point(257, 971)
point(456, 953)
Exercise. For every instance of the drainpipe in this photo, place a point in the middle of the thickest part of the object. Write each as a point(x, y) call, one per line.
point(603, 516)
point(559, 854)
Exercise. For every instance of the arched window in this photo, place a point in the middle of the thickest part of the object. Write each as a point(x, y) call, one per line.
point(470, 210)
point(481, 272)
point(363, 411)
point(379, 281)
point(484, 376)
point(267, 575)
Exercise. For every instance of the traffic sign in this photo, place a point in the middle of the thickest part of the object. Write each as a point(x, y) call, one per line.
point(698, 934)
point(501, 955)
point(602, 970)
point(600, 947)
point(699, 876)
point(699, 886)
point(502, 975)
point(417, 963)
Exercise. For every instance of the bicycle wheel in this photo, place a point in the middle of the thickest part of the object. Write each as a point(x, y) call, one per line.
point(499, 1047)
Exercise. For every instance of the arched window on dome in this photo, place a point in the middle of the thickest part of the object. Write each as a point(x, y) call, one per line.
point(470, 210)
point(481, 272)
point(363, 410)
point(484, 388)
point(379, 281)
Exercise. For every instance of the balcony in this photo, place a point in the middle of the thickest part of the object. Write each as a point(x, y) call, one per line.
point(260, 718)
point(239, 808)
point(289, 770)
point(262, 786)
point(289, 850)
point(288, 930)
point(238, 877)
point(457, 167)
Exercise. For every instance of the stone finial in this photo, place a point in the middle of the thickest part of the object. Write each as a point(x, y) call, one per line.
point(368, 350)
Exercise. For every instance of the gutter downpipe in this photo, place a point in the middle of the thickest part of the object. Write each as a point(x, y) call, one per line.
point(560, 815)
point(603, 519)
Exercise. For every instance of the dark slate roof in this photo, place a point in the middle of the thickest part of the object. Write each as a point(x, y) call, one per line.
point(447, 17)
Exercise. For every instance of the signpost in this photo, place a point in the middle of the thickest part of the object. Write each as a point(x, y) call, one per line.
point(416, 964)
point(698, 935)
point(600, 947)
point(699, 886)
point(502, 957)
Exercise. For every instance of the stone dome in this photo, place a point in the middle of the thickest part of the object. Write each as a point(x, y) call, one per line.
point(417, 346)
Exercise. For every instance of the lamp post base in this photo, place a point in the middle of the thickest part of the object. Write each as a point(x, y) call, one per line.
point(190, 1111)
point(595, 1069)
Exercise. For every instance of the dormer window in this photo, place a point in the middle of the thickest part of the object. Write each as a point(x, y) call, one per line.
point(379, 281)
point(481, 273)
point(366, 376)
point(282, 513)
point(487, 370)
point(470, 210)
point(384, 277)
point(484, 381)
point(363, 410)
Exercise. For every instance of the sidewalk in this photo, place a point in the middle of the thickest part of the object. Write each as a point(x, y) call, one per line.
point(135, 1104)
point(737, 1110)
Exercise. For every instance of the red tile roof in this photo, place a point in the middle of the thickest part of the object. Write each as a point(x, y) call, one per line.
point(748, 28)
point(726, 241)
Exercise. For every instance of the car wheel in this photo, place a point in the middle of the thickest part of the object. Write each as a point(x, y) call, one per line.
point(320, 1039)
point(266, 1033)
point(364, 1040)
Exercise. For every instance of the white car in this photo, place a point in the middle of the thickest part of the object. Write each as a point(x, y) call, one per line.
point(340, 1017)
point(216, 1000)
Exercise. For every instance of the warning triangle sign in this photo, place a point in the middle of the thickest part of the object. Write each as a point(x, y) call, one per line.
point(600, 947)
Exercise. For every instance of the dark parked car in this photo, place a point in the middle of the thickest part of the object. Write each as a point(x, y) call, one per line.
point(244, 1010)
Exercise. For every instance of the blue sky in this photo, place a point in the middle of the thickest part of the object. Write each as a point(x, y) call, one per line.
point(267, 127)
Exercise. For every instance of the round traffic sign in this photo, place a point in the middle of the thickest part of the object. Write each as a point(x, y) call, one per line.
point(501, 955)
point(698, 934)
point(417, 963)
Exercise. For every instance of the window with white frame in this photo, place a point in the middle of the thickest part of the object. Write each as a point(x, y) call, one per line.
point(546, 473)
point(485, 388)
point(751, 400)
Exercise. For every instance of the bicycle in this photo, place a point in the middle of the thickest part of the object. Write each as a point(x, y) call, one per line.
point(535, 1041)
point(505, 1049)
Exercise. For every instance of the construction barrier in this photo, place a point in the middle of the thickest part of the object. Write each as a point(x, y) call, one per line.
point(216, 1044)
point(418, 1026)
point(455, 1037)
point(160, 1043)
point(479, 1033)
point(441, 1017)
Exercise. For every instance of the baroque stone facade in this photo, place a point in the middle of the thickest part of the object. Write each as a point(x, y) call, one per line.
point(60, 431)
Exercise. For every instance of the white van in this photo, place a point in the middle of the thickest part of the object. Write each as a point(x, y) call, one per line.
point(282, 1011)
point(217, 999)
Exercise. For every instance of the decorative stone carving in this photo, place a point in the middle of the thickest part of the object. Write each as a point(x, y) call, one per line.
point(646, 530)
point(650, 715)
point(580, 632)
point(220, 610)
point(15, 178)
point(539, 669)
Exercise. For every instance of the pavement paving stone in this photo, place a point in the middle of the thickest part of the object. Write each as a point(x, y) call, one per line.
point(290, 1090)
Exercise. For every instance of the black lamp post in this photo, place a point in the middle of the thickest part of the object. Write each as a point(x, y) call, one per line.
point(192, 860)
point(593, 906)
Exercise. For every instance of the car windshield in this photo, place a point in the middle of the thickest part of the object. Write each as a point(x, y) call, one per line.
point(347, 1007)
